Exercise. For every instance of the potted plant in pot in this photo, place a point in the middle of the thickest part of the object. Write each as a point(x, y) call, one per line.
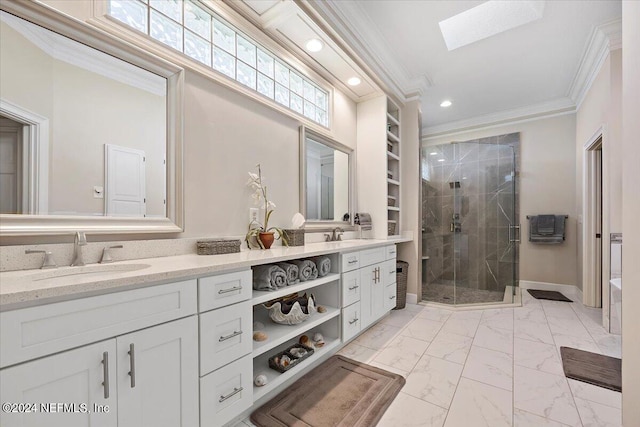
point(260, 235)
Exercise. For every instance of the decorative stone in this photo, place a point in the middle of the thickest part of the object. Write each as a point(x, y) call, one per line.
point(260, 336)
point(322, 309)
point(260, 380)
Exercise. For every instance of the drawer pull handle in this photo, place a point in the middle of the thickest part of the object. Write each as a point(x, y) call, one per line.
point(132, 363)
point(234, 334)
point(105, 373)
point(351, 322)
point(392, 297)
point(352, 261)
point(235, 288)
point(233, 393)
point(351, 288)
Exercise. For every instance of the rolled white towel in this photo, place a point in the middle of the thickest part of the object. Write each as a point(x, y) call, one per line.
point(268, 277)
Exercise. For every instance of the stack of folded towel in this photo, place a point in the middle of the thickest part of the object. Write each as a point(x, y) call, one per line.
point(271, 277)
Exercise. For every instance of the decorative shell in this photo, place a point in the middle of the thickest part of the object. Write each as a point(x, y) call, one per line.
point(304, 340)
point(298, 352)
point(318, 340)
point(260, 336)
point(260, 380)
point(322, 309)
point(295, 315)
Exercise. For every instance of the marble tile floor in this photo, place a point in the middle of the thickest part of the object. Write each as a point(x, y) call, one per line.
point(492, 367)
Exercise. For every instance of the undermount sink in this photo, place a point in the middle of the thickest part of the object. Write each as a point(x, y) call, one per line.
point(100, 269)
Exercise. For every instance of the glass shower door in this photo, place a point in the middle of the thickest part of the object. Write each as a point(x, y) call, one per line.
point(482, 223)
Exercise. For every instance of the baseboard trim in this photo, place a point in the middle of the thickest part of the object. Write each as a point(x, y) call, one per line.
point(412, 298)
point(570, 291)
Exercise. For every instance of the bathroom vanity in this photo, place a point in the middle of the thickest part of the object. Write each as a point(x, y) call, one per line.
point(168, 341)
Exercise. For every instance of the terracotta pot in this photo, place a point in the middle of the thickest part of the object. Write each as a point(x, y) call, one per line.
point(266, 239)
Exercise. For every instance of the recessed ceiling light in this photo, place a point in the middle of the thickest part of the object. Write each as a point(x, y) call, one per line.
point(441, 160)
point(488, 19)
point(314, 45)
point(433, 153)
point(446, 103)
point(354, 81)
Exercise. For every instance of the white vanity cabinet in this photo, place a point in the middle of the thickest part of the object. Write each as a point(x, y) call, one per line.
point(137, 377)
point(157, 372)
point(146, 378)
point(86, 375)
point(371, 286)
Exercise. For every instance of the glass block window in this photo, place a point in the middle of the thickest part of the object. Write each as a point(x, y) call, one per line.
point(191, 28)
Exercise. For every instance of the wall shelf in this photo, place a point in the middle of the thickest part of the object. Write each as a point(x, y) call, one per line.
point(393, 137)
point(393, 208)
point(393, 156)
point(393, 182)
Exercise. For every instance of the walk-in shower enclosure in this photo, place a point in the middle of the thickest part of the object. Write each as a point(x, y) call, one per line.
point(470, 214)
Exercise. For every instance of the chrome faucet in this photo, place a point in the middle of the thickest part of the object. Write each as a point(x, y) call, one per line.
point(79, 241)
point(335, 236)
point(47, 262)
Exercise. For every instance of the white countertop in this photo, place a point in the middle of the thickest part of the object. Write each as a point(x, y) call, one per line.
point(18, 289)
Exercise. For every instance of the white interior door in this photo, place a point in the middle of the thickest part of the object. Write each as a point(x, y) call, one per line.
point(124, 181)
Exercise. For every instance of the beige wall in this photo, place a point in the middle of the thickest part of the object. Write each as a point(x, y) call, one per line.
point(631, 213)
point(547, 185)
point(601, 108)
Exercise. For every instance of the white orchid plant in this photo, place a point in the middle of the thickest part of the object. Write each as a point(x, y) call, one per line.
point(259, 196)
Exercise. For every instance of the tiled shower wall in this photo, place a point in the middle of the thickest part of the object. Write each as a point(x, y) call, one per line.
point(480, 254)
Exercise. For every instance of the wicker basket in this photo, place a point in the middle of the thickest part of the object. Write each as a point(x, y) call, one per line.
point(217, 246)
point(295, 237)
point(402, 272)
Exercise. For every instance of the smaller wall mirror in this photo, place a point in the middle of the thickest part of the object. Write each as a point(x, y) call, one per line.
point(326, 180)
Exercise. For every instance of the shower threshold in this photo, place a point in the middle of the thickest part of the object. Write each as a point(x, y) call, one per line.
point(509, 299)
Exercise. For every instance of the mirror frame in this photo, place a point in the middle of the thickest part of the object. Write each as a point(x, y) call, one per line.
point(20, 225)
point(325, 225)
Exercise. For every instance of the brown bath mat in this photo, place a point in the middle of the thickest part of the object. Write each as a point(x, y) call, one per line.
point(592, 368)
point(550, 295)
point(339, 392)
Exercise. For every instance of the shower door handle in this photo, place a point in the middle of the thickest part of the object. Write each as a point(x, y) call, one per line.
point(515, 236)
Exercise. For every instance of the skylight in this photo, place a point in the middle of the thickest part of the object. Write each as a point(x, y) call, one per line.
point(488, 19)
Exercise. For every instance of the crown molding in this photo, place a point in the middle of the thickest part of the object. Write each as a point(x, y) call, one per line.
point(355, 27)
point(555, 107)
point(604, 39)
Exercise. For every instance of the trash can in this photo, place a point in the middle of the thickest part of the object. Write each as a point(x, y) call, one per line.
point(402, 271)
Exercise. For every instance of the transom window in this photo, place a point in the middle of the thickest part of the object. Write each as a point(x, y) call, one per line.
point(187, 26)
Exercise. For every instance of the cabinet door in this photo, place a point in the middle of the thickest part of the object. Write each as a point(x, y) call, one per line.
point(158, 376)
point(367, 281)
point(75, 377)
point(377, 293)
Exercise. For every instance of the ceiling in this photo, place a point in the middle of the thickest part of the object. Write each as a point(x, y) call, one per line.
point(535, 68)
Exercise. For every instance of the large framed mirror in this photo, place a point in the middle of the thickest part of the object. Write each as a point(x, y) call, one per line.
point(327, 170)
point(91, 129)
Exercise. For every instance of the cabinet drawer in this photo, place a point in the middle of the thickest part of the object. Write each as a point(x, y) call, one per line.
point(351, 321)
point(226, 393)
point(38, 331)
point(389, 272)
point(350, 261)
point(373, 256)
point(224, 289)
point(350, 288)
point(225, 335)
point(390, 297)
point(392, 252)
